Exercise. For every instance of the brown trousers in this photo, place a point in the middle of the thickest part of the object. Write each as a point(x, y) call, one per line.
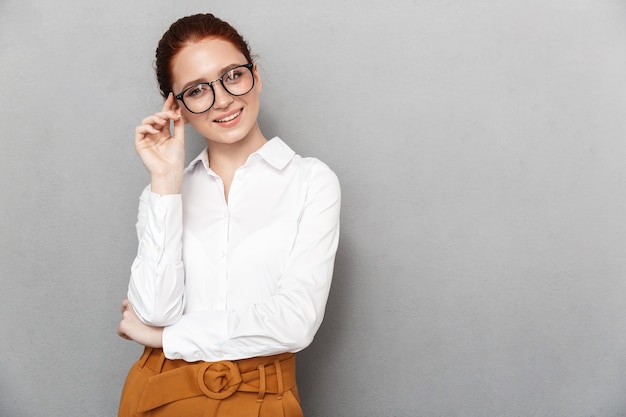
point(255, 387)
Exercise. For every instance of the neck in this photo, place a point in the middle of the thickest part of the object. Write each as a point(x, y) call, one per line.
point(225, 158)
point(234, 155)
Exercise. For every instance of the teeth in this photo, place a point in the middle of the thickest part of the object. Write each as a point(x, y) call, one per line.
point(229, 118)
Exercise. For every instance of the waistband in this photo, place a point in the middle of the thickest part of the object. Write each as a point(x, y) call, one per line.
point(176, 379)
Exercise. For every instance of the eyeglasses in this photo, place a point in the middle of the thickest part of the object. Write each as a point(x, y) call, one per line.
point(200, 97)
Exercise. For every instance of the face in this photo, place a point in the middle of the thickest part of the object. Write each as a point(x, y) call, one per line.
point(231, 119)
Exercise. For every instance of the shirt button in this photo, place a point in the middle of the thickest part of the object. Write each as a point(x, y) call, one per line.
point(222, 254)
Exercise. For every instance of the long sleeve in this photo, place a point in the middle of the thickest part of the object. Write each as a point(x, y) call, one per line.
point(156, 288)
point(288, 318)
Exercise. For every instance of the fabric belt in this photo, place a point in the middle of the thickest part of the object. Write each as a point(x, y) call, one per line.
point(217, 380)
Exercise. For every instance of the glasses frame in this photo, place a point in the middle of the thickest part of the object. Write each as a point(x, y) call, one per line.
point(180, 95)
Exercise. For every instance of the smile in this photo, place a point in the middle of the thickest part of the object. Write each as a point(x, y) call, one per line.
point(229, 118)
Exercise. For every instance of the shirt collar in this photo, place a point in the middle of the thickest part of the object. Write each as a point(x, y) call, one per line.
point(203, 158)
point(275, 152)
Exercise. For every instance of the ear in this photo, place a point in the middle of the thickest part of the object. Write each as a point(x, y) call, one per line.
point(257, 78)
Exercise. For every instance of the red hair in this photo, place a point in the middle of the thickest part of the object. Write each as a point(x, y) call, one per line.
point(192, 29)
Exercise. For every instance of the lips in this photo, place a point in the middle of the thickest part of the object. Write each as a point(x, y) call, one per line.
point(229, 117)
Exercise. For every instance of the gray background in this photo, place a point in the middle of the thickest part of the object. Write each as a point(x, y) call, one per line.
point(480, 146)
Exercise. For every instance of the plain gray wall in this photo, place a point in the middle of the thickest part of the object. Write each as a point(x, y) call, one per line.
point(481, 150)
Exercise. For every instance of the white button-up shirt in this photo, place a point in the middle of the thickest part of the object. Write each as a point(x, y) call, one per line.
point(245, 278)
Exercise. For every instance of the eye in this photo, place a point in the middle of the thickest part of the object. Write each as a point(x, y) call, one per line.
point(197, 91)
point(232, 75)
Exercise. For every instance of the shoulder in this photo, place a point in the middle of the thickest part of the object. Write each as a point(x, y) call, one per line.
point(315, 167)
point(317, 176)
point(310, 170)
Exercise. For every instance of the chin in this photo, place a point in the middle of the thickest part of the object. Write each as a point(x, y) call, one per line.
point(228, 137)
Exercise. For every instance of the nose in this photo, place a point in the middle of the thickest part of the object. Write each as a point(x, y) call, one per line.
point(222, 97)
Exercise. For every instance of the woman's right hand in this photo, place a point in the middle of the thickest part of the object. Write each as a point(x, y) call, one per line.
point(162, 154)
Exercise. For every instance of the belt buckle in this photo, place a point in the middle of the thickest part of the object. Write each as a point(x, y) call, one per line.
point(224, 377)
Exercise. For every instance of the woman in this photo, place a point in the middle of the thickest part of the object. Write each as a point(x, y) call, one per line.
point(236, 251)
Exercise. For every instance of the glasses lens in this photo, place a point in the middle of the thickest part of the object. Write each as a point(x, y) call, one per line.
point(238, 81)
point(199, 98)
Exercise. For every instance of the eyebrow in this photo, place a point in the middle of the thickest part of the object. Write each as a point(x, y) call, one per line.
point(223, 71)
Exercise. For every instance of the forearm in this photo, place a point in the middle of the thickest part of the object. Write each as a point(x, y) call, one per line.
point(157, 291)
point(156, 286)
point(285, 322)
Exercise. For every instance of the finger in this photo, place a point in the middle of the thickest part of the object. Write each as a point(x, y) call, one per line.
point(158, 119)
point(179, 128)
point(121, 334)
point(166, 116)
point(169, 103)
point(143, 130)
point(156, 123)
point(147, 129)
